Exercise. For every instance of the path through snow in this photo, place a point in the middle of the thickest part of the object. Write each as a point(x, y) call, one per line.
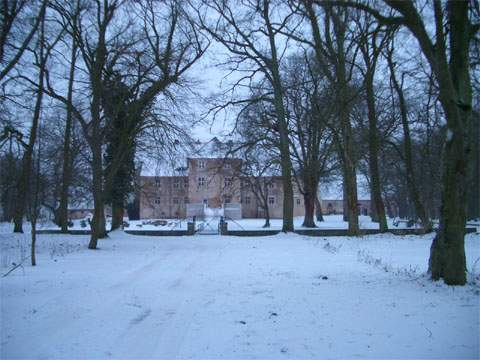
point(284, 296)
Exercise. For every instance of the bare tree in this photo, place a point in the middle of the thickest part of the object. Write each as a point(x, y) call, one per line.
point(335, 52)
point(371, 42)
point(252, 34)
point(70, 18)
point(41, 55)
point(447, 49)
point(408, 157)
point(153, 58)
point(307, 100)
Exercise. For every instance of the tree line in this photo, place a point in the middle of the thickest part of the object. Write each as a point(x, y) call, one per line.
point(320, 88)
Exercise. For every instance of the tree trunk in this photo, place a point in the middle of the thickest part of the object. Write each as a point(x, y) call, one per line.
point(98, 230)
point(66, 171)
point(267, 218)
point(34, 240)
point(318, 209)
point(344, 201)
point(309, 202)
point(352, 198)
point(373, 210)
point(285, 160)
point(473, 212)
point(117, 215)
point(309, 196)
point(377, 201)
point(447, 254)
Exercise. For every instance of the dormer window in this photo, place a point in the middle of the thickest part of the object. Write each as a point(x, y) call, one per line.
point(201, 164)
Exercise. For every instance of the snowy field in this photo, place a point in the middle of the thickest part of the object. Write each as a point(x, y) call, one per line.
point(330, 222)
point(276, 297)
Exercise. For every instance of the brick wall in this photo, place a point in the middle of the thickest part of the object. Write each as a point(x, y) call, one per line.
point(217, 181)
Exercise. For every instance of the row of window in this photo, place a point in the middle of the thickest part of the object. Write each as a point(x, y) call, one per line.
point(248, 200)
point(175, 200)
point(201, 164)
point(201, 182)
point(227, 199)
point(245, 183)
point(271, 200)
point(176, 183)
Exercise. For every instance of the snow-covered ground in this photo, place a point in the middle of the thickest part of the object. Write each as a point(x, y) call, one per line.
point(171, 224)
point(282, 296)
point(330, 222)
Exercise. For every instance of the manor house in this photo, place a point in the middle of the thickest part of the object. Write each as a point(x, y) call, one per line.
point(217, 182)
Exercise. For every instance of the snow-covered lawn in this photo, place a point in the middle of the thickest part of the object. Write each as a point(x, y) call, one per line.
point(283, 296)
point(330, 222)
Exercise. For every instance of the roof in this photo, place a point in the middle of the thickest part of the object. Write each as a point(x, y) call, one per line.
point(176, 165)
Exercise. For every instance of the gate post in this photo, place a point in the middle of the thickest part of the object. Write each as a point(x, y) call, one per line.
point(223, 228)
point(190, 228)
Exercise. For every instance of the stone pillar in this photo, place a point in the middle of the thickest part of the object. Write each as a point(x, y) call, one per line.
point(190, 228)
point(223, 228)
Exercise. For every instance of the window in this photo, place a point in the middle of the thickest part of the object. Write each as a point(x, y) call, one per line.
point(227, 165)
point(157, 201)
point(201, 181)
point(185, 183)
point(205, 201)
point(185, 200)
point(271, 185)
point(297, 200)
point(227, 199)
point(228, 181)
point(176, 184)
point(157, 183)
point(175, 200)
point(271, 200)
point(247, 200)
point(201, 164)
